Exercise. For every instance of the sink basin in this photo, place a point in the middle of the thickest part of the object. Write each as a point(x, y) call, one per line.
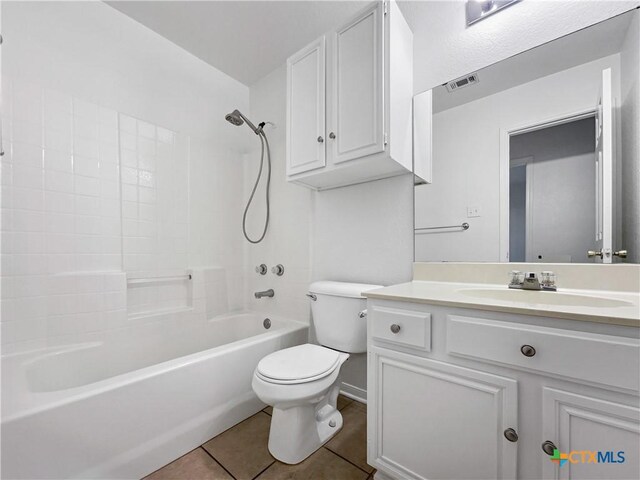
point(544, 298)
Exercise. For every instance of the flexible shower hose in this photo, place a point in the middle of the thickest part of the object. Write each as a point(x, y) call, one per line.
point(263, 142)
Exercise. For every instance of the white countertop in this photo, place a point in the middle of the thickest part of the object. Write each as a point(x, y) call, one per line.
point(453, 294)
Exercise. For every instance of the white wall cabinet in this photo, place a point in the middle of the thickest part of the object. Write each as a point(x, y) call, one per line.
point(442, 409)
point(306, 103)
point(349, 102)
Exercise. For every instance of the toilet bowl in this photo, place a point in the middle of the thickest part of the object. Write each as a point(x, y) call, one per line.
point(302, 383)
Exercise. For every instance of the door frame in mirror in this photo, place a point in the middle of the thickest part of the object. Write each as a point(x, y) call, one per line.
point(505, 135)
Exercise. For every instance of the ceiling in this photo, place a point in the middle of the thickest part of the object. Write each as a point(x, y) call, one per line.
point(597, 41)
point(245, 39)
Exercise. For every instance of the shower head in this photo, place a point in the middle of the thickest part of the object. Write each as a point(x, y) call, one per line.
point(237, 119)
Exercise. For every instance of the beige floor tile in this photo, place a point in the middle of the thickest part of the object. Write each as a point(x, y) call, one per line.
point(195, 465)
point(243, 449)
point(343, 402)
point(360, 406)
point(322, 465)
point(268, 410)
point(351, 441)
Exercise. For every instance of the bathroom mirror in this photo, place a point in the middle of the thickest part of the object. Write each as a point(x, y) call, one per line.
point(535, 158)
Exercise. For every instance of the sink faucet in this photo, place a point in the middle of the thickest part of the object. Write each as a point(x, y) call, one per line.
point(530, 281)
point(265, 293)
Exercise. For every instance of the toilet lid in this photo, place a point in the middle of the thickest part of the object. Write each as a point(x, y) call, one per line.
point(298, 364)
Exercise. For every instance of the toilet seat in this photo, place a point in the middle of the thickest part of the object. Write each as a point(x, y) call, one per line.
point(299, 364)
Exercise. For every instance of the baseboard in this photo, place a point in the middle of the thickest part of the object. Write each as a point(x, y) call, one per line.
point(355, 393)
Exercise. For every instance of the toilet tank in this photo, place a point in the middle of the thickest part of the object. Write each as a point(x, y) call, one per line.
point(336, 308)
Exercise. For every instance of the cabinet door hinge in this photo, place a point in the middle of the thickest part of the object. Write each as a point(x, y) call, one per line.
point(385, 139)
point(385, 7)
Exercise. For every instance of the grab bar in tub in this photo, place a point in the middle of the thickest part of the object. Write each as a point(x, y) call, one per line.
point(133, 281)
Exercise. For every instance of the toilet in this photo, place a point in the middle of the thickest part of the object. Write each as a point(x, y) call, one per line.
point(302, 383)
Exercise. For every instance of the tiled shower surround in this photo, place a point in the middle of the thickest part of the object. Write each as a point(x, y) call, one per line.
point(96, 207)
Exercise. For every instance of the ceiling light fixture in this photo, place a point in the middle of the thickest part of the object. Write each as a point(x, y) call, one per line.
point(479, 9)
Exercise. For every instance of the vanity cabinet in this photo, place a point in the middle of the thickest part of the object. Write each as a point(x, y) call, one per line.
point(461, 393)
point(585, 423)
point(429, 414)
point(349, 102)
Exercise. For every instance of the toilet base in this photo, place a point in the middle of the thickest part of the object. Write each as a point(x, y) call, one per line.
point(298, 431)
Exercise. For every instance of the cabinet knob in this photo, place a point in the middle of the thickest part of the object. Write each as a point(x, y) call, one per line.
point(320, 139)
point(511, 435)
point(332, 135)
point(528, 350)
point(395, 328)
point(548, 447)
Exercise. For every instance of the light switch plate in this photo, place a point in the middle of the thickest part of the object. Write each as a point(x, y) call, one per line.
point(473, 211)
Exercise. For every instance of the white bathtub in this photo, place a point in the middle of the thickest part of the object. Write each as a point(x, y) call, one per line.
point(128, 404)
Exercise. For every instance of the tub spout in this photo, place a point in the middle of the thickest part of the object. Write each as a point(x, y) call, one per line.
point(266, 293)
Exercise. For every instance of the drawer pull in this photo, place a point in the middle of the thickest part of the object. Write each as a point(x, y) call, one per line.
point(511, 435)
point(548, 447)
point(528, 350)
point(395, 328)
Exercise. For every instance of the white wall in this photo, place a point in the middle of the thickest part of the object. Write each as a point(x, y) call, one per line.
point(118, 160)
point(630, 154)
point(467, 173)
point(361, 233)
point(288, 240)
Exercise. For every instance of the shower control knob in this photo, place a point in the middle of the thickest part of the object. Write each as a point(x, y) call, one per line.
point(278, 270)
point(261, 269)
point(320, 139)
point(332, 135)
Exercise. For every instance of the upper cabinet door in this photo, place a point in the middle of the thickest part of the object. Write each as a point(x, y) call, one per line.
point(357, 126)
point(306, 109)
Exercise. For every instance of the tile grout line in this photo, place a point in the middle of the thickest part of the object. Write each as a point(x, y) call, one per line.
point(346, 460)
point(215, 460)
point(265, 469)
point(172, 461)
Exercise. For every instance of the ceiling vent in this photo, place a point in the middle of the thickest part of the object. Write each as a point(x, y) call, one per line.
point(462, 82)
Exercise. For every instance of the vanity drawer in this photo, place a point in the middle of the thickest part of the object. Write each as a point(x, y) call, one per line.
point(403, 327)
point(595, 358)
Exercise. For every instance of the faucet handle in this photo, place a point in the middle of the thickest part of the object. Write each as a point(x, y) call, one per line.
point(548, 279)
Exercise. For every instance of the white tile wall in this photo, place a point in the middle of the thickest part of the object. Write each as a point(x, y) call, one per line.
point(94, 190)
point(86, 191)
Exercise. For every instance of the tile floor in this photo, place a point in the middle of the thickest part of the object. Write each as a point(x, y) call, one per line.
point(241, 453)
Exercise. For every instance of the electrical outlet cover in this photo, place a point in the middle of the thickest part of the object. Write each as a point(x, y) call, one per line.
point(473, 211)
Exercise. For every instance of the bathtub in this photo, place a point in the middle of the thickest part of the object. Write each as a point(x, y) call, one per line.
point(126, 405)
